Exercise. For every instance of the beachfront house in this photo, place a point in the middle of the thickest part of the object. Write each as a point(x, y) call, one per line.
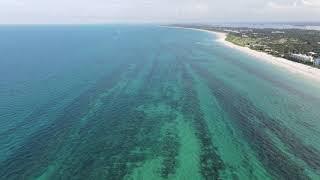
point(317, 61)
point(302, 58)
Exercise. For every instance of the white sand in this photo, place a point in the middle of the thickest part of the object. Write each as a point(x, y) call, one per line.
point(294, 67)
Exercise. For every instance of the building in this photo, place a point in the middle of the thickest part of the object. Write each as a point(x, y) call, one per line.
point(317, 61)
point(302, 57)
point(277, 32)
point(267, 50)
point(313, 54)
point(231, 31)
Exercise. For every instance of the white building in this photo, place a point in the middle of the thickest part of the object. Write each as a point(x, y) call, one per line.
point(232, 31)
point(313, 54)
point(277, 32)
point(302, 57)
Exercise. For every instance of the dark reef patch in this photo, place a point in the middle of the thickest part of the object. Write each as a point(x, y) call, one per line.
point(211, 163)
point(169, 151)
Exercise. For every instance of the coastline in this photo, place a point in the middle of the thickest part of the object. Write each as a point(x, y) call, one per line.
point(293, 67)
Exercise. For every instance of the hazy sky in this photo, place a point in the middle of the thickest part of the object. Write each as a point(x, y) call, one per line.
point(106, 11)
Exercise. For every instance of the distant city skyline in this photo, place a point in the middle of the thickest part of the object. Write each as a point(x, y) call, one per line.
point(157, 11)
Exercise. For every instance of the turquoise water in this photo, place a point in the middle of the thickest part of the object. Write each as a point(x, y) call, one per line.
point(147, 102)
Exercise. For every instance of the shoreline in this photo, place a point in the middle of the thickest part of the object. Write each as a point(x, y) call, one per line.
point(293, 67)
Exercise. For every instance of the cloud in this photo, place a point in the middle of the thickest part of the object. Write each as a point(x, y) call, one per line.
point(291, 10)
point(93, 11)
point(311, 3)
point(294, 4)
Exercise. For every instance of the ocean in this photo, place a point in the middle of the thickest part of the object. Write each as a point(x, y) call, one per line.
point(149, 102)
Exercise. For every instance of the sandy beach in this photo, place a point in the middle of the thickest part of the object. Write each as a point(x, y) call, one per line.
point(293, 67)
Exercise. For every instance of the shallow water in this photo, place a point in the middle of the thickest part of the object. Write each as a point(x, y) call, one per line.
point(145, 102)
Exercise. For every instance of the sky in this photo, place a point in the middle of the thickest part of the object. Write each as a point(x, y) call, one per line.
point(156, 11)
